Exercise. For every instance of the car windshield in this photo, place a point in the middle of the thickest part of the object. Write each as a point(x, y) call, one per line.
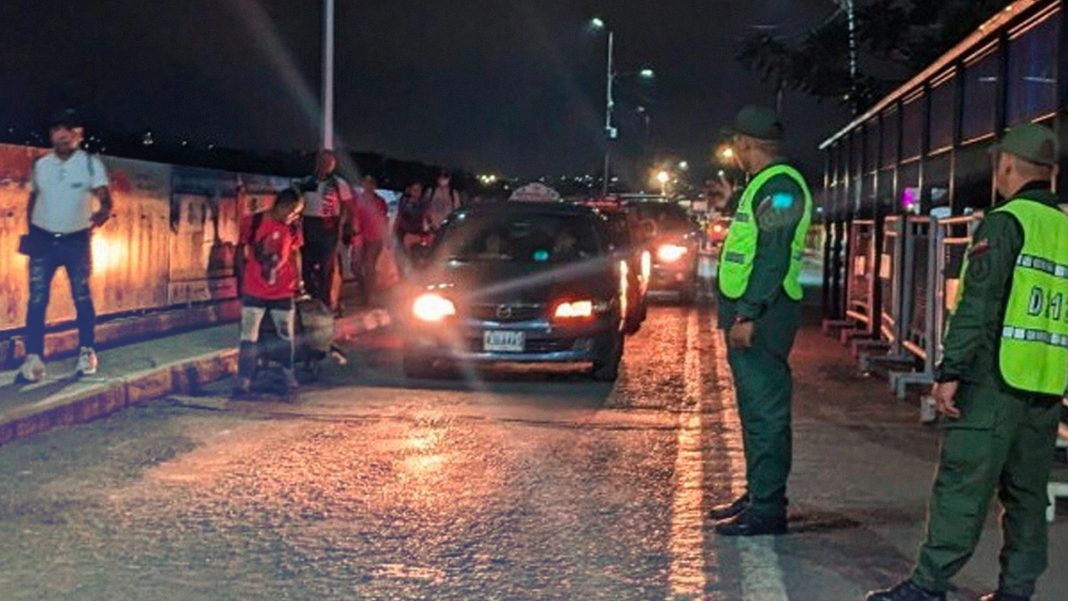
point(520, 238)
point(661, 218)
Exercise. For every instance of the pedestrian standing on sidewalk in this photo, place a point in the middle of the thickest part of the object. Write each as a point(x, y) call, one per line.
point(327, 220)
point(1000, 382)
point(372, 221)
point(442, 200)
point(269, 265)
point(411, 223)
point(65, 185)
point(759, 306)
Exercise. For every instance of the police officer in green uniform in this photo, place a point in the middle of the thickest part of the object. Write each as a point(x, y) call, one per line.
point(1000, 382)
point(759, 305)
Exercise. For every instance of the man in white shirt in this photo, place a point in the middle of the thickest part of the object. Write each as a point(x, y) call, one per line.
point(327, 223)
point(68, 198)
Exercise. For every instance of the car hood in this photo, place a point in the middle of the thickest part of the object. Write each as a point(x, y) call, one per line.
point(504, 282)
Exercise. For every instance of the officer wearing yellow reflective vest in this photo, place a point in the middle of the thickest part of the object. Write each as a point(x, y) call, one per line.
point(759, 305)
point(1000, 382)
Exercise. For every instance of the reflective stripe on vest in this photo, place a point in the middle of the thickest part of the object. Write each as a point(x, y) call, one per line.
point(739, 249)
point(1033, 356)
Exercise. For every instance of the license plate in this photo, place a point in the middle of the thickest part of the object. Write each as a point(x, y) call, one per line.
point(503, 341)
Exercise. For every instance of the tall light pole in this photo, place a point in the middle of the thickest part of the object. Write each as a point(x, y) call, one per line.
point(851, 21)
point(610, 132)
point(328, 74)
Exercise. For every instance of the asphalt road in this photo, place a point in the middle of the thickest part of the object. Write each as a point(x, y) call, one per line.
point(507, 484)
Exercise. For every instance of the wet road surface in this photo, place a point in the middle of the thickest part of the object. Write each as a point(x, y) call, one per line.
point(519, 483)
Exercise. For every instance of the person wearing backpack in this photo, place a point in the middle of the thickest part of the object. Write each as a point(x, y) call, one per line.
point(65, 185)
point(269, 268)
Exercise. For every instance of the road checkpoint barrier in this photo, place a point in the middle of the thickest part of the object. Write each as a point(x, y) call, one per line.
point(934, 252)
point(860, 278)
point(895, 284)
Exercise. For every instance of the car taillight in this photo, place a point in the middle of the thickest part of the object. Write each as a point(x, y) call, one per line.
point(669, 253)
point(433, 307)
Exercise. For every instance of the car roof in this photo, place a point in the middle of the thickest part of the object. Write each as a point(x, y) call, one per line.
point(528, 207)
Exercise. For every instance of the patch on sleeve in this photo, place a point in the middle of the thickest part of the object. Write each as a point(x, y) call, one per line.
point(979, 248)
point(782, 200)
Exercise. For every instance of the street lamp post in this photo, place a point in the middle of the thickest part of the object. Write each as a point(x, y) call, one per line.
point(328, 74)
point(609, 105)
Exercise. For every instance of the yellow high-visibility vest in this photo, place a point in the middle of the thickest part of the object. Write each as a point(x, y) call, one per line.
point(739, 249)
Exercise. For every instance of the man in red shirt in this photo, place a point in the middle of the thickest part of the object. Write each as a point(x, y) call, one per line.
point(372, 219)
point(269, 268)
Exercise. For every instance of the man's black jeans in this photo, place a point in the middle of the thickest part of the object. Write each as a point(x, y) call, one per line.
point(73, 252)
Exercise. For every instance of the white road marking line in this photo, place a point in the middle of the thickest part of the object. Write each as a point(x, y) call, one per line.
point(762, 577)
point(686, 574)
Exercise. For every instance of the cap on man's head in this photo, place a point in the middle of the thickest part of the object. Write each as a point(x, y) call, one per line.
point(64, 118)
point(758, 122)
point(1031, 142)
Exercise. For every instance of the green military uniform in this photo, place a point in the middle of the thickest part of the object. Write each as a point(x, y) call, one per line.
point(762, 374)
point(1004, 438)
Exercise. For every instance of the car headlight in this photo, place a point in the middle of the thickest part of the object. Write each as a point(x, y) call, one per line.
point(669, 253)
point(580, 309)
point(433, 307)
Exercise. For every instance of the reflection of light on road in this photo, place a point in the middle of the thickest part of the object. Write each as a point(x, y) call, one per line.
point(107, 253)
point(686, 576)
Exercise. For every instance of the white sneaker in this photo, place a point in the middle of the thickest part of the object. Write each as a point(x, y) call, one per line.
point(33, 369)
point(291, 379)
point(87, 362)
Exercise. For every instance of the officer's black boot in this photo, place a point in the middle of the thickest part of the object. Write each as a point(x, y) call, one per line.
point(1000, 596)
point(906, 591)
point(748, 523)
point(728, 511)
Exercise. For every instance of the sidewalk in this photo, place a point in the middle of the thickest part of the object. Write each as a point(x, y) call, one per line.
point(134, 373)
point(863, 468)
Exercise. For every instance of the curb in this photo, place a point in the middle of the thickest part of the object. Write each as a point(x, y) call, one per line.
point(179, 377)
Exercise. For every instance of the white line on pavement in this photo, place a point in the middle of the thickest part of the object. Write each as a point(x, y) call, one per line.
point(686, 575)
point(762, 577)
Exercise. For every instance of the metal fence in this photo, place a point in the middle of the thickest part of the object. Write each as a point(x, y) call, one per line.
point(933, 256)
point(891, 317)
point(860, 305)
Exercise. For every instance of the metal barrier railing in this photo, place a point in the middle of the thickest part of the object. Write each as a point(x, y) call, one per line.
point(860, 303)
point(955, 234)
point(891, 315)
point(934, 251)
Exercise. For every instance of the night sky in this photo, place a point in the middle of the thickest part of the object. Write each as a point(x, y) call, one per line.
point(512, 86)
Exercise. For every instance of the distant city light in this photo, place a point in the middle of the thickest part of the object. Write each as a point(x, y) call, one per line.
point(597, 23)
point(663, 177)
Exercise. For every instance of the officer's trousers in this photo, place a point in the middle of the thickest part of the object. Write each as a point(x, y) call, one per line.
point(1002, 443)
point(764, 387)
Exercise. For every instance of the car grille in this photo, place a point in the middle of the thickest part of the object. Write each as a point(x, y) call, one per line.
point(506, 313)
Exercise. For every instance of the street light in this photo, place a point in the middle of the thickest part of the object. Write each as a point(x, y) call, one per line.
point(684, 165)
point(610, 132)
point(328, 74)
point(663, 177)
point(647, 73)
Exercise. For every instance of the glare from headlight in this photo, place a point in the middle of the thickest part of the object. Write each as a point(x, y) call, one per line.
point(574, 310)
point(669, 253)
point(433, 307)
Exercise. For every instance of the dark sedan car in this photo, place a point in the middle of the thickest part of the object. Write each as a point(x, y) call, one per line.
point(519, 282)
point(674, 240)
